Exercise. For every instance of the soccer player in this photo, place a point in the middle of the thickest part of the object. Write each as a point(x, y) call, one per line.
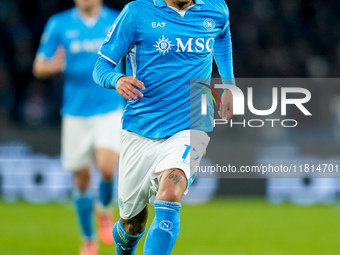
point(168, 42)
point(90, 115)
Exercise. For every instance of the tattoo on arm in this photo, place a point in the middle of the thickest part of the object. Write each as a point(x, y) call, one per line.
point(176, 178)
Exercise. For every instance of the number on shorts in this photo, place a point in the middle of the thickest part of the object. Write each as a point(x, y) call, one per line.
point(186, 152)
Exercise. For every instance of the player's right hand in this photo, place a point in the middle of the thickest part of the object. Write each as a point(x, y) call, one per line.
point(127, 87)
point(44, 68)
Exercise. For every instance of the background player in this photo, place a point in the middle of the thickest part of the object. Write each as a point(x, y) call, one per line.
point(90, 115)
point(171, 42)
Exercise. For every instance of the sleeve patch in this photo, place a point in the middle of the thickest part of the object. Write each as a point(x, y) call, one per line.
point(108, 36)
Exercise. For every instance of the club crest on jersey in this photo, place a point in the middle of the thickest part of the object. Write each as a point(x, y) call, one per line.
point(163, 45)
point(209, 24)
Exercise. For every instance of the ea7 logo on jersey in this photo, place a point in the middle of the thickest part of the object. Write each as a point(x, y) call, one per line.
point(158, 24)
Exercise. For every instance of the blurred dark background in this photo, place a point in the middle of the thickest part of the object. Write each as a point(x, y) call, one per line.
point(23, 99)
point(281, 38)
point(271, 38)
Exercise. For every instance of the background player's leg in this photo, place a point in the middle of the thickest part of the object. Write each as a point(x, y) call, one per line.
point(76, 155)
point(83, 202)
point(106, 161)
point(164, 229)
point(127, 233)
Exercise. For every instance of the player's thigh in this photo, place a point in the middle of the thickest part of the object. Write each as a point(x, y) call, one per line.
point(76, 143)
point(172, 185)
point(183, 151)
point(106, 161)
point(107, 131)
point(137, 157)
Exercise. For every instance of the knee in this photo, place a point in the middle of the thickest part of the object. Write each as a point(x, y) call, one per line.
point(107, 172)
point(172, 186)
point(170, 195)
point(82, 179)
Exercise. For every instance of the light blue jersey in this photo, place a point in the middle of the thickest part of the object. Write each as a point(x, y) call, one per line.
point(81, 38)
point(166, 48)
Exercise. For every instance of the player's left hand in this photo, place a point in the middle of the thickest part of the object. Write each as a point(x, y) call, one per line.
point(127, 87)
point(226, 109)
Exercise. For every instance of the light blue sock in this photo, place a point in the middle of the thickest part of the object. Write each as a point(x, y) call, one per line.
point(125, 244)
point(105, 191)
point(83, 203)
point(164, 229)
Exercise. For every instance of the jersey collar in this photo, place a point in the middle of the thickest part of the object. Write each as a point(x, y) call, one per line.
point(161, 3)
point(103, 12)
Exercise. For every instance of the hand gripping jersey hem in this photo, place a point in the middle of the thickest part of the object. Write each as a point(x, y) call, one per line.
point(107, 58)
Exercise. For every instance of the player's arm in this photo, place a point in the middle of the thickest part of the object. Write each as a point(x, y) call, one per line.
point(50, 58)
point(224, 60)
point(105, 75)
point(119, 40)
point(44, 68)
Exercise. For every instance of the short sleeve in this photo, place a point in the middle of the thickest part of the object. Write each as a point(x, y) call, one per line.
point(120, 38)
point(50, 39)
